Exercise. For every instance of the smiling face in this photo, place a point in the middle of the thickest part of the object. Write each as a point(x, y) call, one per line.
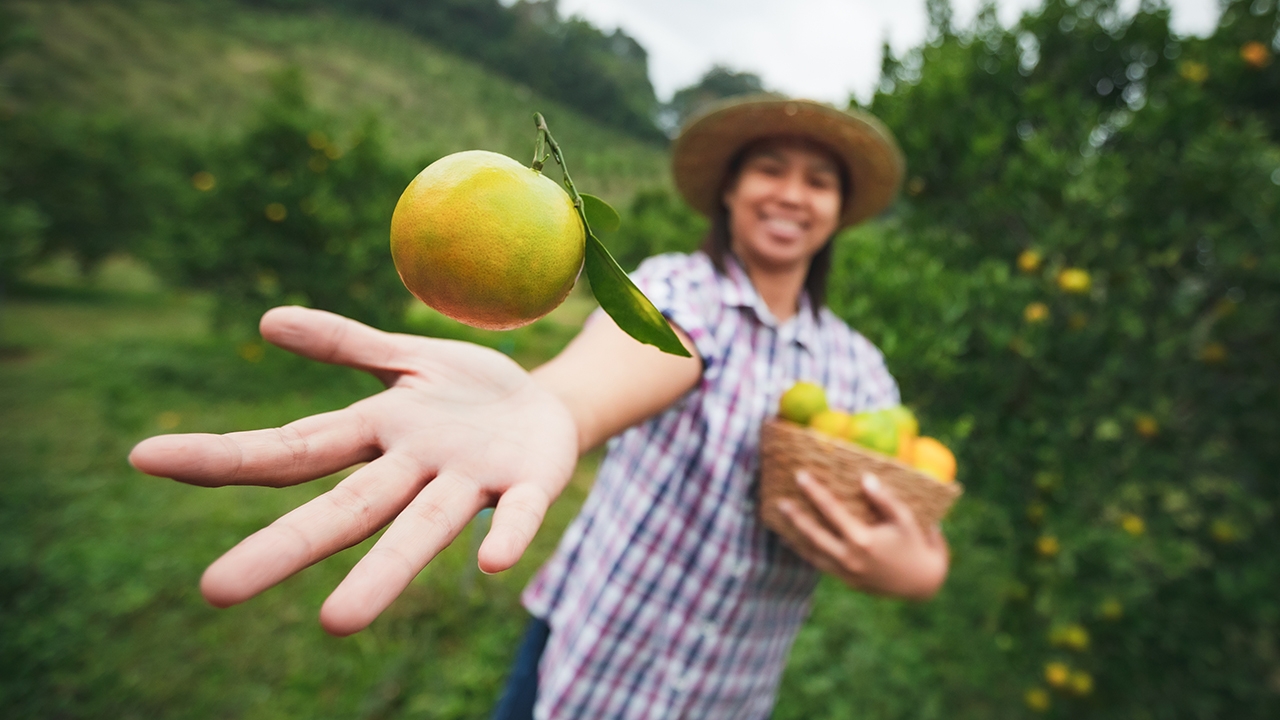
point(784, 204)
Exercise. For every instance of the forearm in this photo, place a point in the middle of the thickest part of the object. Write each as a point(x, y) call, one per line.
point(608, 381)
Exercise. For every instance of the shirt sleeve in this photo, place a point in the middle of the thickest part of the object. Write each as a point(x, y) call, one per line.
point(685, 290)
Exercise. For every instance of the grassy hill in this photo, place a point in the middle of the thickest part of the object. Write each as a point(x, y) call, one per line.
point(200, 68)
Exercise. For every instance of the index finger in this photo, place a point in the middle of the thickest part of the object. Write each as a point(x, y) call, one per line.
point(335, 339)
point(845, 522)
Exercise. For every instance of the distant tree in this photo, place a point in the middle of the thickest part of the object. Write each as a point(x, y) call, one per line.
point(718, 83)
point(602, 75)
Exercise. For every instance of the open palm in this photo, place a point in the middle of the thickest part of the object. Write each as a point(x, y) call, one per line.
point(459, 428)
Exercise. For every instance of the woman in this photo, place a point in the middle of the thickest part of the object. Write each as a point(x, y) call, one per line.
point(666, 597)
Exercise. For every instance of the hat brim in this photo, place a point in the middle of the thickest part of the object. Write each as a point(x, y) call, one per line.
point(702, 152)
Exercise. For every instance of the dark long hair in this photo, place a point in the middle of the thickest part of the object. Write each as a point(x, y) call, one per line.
point(718, 244)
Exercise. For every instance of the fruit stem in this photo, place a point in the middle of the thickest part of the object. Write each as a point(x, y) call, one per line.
point(544, 134)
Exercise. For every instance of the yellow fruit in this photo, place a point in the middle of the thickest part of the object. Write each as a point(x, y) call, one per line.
point(1037, 699)
point(1074, 280)
point(1036, 312)
point(802, 402)
point(906, 447)
point(1146, 426)
point(1047, 545)
point(904, 420)
point(486, 240)
point(1029, 261)
point(1255, 54)
point(1110, 609)
point(1193, 71)
point(1081, 683)
point(831, 422)
point(1057, 674)
point(1132, 524)
point(933, 458)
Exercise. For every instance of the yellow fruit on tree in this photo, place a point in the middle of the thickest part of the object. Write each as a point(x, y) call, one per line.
point(834, 423)
point(933, 458)
point(1074, 280)
point(486, 240)
point(802, 401)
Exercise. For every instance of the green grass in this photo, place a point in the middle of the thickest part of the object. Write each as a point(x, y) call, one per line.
point(99, 564)
point(201, 68)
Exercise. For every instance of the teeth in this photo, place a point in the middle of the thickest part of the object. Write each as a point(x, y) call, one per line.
point(783, 226)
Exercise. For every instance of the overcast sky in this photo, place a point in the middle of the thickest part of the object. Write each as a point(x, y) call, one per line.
point(819, 49)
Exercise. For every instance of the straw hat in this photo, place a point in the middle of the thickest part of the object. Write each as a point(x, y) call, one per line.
point(708, 143)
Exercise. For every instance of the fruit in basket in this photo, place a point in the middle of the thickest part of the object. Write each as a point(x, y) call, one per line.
point(933, 458)
point(800, 403)
point(834, 423)
point(876, 430)
point(904, 420)
point(908, 429)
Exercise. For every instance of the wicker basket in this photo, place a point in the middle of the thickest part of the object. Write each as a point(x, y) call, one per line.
point(786, 447)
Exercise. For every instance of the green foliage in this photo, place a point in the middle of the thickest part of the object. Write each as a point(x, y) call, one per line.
point(200, 72)
point(291, 213)
point(85, 187)
point(1120, 423)
point(604, 76)
point(718, 83)
point(99, 565)
point(655, 222)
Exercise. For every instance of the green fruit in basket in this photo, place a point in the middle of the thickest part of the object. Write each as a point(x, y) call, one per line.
point(904, 420)
point(875, 430)
point(802, 402)
point(831, 422)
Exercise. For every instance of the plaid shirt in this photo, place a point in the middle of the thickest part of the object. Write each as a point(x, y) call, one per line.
point(666, 597)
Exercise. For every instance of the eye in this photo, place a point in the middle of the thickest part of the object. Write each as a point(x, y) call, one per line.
point(823, 181)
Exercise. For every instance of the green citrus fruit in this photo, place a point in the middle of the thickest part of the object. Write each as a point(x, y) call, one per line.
point(802, 402)
point(486, 240)
point(875, 430)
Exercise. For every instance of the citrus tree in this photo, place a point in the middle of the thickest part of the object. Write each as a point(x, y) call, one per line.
point(1079, 292)
point(290, 212)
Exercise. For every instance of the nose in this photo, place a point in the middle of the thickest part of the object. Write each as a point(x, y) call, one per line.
point(792, 188)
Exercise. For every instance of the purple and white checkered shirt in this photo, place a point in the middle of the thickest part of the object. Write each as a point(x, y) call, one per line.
point(666, 597)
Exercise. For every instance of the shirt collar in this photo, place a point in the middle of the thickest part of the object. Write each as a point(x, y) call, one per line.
point(738, 291)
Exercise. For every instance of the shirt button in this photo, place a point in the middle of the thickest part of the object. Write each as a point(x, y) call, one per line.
point(707, 629)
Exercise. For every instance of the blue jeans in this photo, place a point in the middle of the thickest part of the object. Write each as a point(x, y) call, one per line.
point(522, 685)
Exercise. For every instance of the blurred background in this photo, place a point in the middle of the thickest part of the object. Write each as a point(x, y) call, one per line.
point(1079, 292)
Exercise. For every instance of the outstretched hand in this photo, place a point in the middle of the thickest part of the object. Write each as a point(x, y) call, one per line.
point(890, 556)
point(459, 428)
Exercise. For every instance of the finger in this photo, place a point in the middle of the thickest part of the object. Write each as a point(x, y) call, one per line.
point(845, 522)
point(352, 511)
point(302, 450)
point(821, 537)
point(334, 339)
point(429, 523)
point(886, 503)
point(515, 523)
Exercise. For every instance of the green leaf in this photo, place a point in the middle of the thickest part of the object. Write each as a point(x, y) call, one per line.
point(626, 304)
point(600, 215)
